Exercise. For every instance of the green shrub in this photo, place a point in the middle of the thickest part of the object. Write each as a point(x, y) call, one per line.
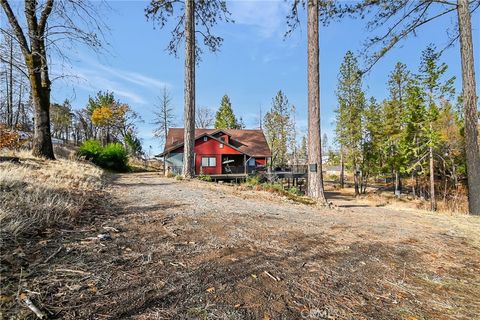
point(252, 181)
point(179, 177)
point(273, 187)
point(333, 177)
point(113, 156)
point(295, 191)
point(91, 150)
point(204, 177)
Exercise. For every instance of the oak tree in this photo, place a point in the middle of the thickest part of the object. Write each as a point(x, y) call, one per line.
point(46, 25)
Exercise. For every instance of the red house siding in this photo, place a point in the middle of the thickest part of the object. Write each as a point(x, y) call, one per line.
point(211, 148)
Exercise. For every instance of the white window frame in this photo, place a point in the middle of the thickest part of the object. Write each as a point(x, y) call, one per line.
point(208, 161)
point(205, 138)
point(221, 146)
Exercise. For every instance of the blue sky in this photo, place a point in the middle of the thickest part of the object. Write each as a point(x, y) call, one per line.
point(255, 62)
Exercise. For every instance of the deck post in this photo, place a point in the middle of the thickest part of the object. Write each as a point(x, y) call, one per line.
point(245, 163)
point(165, 169)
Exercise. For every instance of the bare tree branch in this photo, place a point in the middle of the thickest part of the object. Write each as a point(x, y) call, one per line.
point(15, 26)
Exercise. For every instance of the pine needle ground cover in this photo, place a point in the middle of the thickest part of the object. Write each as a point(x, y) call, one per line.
point(37, 198)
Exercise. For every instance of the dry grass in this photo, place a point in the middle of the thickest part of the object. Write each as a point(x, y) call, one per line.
point(38, 193)
point(137, 165)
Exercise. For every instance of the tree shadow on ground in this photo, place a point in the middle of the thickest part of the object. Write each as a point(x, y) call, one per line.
point(305, 276)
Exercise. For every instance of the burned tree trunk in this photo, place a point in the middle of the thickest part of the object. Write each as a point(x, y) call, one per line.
point(315, 178)
point(189, 112)
point(470, 107)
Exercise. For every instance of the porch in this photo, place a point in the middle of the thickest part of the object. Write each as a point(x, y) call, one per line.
point(233, 164)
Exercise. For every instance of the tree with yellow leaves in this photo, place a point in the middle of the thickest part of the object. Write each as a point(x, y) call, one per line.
point(112, 119)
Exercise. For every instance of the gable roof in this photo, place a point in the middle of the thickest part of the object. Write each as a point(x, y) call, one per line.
point(249, 141)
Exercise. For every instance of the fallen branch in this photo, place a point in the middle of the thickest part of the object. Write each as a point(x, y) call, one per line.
point(73, 271)
point(268, 274)
point(53, 254)
point(111, 229)
point(32, 307)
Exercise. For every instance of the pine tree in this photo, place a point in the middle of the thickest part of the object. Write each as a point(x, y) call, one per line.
point(193, 18)
point(436, 89)
point(302, 151)
point(351, 104)
point(372, 141)
point(277, 124)
point(395, 21)
point(393, 112)
point(225, 118)
point(412, 141)
point(452, 145)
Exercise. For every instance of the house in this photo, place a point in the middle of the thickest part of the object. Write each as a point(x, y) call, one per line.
point(219, 152)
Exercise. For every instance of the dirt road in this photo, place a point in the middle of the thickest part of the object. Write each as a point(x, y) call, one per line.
point(216, 252)
point(196, 250)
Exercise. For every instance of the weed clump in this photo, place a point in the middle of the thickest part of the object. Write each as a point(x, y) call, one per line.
point(204, 177)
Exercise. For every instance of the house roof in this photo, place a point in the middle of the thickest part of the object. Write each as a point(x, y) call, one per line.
point(249, 141)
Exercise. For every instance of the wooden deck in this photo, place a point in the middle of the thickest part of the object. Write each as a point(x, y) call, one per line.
point(243, 176)
point(229, 176)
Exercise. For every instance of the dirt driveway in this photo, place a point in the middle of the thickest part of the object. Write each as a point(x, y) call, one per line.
point(196, 250)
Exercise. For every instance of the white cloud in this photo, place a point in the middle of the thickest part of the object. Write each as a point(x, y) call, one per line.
point(135, 77)
point(131, 86)
point(92, 80)
point(268, 17)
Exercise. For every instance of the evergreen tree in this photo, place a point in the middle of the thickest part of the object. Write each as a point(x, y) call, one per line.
point(225, 118)
point(412, 144)
point(430, 77)
point(372, 141)
point(241, 124)
point(192, 18)
point(277, 124)
point(351, 104)
point(133, 144)
point(393, 110)
point(302, 151)
point(452, 145)
point(324, 144)
point(293, 144)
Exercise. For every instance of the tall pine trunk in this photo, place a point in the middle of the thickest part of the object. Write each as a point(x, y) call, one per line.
point(470, 107)
point(342, 169)
point(397, 182)
point(315, 178)
point(356, 180)
point(189, 112)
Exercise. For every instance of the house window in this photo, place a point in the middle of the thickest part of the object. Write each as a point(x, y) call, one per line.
point(251, 162)
point(221, 145)
point(209, 162)
point(222, 138)
point(205, 138)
